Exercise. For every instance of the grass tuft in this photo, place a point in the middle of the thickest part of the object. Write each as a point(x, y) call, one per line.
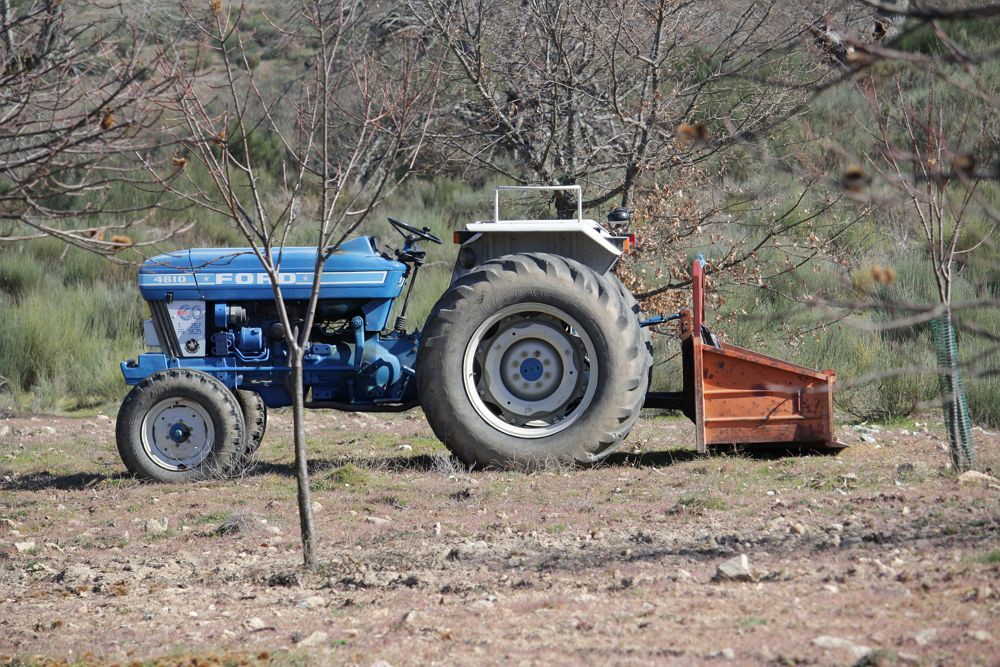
point(239, 523)
point(348, 475)
point(989, 558)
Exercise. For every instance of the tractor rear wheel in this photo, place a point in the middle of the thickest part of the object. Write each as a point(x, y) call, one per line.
point(532, 358)
point(633, 306)
point(179, 425)
point(255, 421)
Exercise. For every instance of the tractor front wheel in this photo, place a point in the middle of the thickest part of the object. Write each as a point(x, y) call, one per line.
point(180, 426)
point(255, 420)
point(532, 358)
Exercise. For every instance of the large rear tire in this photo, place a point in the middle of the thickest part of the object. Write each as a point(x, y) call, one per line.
point(529, 359)
point(179, 425)
point(633, 306)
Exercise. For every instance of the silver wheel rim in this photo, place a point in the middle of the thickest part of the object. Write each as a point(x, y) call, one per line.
point(530, 370)
point(178, 434)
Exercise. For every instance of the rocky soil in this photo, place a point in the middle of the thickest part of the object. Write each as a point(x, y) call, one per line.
point(877, 556)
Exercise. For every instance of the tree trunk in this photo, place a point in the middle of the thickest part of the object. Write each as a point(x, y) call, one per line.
point(956, 409)
point(302, 467)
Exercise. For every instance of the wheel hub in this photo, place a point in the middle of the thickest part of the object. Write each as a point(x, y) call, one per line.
point(178, 434)
point(528, 370)
point(531, 368)
point(528, 357)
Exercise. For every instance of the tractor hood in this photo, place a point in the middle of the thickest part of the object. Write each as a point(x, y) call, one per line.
point(355, 270)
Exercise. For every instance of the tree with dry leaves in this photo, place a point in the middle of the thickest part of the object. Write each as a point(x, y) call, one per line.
point(76, 86)
point(908, 161)
point(925, 160)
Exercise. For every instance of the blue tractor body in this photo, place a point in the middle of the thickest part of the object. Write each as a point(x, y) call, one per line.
point(213, 311)
point(356, 270)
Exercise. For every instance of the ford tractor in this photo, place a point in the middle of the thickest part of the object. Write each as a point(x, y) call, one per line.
point(535, 353)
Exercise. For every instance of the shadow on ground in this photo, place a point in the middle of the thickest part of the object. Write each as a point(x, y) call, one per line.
point(448, 464)
point(441, 463)
point(77, 481)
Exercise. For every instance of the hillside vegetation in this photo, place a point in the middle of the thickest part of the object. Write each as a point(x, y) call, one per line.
point(69, 316)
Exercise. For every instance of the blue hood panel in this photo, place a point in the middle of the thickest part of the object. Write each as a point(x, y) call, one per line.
point(354, 271)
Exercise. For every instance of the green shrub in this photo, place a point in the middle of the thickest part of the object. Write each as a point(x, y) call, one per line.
point(60, 348)
point(20, 273)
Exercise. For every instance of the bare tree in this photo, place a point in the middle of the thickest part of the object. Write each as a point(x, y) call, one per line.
point(928, 155)
point(76, 84)
point(609, 94)
point(358, 126)
point(929, 142)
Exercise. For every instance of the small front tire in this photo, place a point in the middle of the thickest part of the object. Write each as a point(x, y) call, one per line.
point(255, 419)
point(179, 425)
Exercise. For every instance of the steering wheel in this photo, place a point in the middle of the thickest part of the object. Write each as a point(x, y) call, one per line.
point(405, 229)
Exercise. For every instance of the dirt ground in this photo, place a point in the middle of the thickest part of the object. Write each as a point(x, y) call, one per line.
point(875, 556)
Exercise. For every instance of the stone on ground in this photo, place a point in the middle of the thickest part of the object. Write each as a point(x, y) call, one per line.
point(734, 569)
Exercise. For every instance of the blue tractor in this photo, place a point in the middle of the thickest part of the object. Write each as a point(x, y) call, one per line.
point(535, 352)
